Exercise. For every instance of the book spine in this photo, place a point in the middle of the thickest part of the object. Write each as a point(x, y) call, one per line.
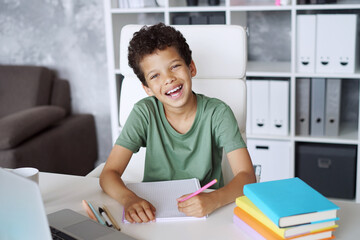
point(261, 205)
point(256, 225)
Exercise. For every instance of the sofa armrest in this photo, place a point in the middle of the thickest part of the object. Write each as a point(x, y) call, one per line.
point(19, 126)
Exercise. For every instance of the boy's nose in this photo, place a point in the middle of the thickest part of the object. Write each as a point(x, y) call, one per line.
point(169, 78)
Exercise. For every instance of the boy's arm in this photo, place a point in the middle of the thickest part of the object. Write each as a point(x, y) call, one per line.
point(206, 203)
point(136, 209)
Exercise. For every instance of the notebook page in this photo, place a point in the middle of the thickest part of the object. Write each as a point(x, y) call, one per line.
point(163, 196)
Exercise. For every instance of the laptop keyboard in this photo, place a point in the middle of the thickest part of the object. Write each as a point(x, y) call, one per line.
point(58, 235)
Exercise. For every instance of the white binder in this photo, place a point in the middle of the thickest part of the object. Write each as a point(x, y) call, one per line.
point(336, 43)
point(279, 107)
point(260, 107)
point(273, 158)
point(305, 43)
point(248, 107)
point(333, 102)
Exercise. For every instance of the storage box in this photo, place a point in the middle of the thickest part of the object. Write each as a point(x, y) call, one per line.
point(273, 157)
point(329, 168)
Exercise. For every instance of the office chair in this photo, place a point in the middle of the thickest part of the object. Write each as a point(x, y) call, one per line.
point(220, 55)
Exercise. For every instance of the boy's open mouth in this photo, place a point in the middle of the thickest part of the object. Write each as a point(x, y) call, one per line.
point(174, 92)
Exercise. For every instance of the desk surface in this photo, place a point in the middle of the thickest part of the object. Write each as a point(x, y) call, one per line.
point(66, 191)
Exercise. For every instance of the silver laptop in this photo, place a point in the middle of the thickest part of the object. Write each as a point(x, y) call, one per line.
point(22, 215)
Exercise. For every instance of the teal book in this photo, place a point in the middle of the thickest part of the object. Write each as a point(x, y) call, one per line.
point(290, 202)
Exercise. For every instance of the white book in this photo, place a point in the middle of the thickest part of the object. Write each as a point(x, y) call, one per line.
point(163, 195)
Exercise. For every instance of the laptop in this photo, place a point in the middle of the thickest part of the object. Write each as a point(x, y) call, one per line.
point(22, 215)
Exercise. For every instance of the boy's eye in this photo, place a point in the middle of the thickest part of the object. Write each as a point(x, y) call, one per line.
point(175, 66)
point(154, 76)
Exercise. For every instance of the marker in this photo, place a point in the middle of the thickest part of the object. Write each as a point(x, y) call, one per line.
point(100, 220)
point(112, 219)
point(200, 190)
point(107, 220)
point(88, 210)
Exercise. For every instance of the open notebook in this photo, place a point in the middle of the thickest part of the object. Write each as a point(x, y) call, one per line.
point(163, 196)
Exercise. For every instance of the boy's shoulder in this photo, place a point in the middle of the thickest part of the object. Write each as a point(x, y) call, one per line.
point(210, 102)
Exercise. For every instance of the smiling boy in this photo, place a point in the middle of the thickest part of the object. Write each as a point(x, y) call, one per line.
point(184, 133)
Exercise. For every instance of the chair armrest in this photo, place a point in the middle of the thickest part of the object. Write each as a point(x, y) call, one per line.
point(17, 127)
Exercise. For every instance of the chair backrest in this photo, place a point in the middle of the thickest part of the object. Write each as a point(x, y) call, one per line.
point(220, 56)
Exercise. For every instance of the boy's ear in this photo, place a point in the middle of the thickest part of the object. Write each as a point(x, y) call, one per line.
point(192, 67)
point(147, 90)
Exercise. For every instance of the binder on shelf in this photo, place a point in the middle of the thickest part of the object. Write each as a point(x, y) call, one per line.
point(279, 107)
point(260, 107)
point(248, 107)
point(302, 107)
point(317, 126)
point(305, 43)
point(333, 102)
point(336, 43)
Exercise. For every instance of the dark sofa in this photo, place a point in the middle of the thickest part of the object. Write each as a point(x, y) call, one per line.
point(37, 127)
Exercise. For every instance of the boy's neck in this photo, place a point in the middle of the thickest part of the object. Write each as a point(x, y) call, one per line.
point(181, 119)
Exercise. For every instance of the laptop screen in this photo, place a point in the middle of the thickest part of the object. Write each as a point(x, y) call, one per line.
point(22, 213)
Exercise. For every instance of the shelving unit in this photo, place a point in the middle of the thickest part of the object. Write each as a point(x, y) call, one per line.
point(237, 12)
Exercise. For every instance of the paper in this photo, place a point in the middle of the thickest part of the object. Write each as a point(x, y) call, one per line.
point(163, 195)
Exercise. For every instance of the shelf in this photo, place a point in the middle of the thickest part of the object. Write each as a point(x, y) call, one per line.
point(137, 10)
point(328, 75)
point(267, 137)
point(271, 50)
point(271, 69)
point(328, 6)
point(252, 8)
point(198, 9)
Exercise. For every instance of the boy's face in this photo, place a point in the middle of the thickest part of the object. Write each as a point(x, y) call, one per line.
point(168, 77)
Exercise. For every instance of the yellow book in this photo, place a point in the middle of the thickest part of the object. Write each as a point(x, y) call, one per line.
point(289, 232)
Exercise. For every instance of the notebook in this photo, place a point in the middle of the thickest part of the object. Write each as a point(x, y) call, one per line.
point(163, 195)
point(23, 215)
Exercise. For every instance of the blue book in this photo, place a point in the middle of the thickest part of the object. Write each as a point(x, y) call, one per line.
point(291, 202)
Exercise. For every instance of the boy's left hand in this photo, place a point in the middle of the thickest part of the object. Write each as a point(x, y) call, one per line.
point(197, 206)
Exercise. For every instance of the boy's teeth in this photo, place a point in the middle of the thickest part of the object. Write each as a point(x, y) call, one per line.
point(174, 90)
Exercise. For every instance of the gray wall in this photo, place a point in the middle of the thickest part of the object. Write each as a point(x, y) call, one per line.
point(69, 37)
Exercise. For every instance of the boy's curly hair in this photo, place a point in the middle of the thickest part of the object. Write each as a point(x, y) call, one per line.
point(151, 38)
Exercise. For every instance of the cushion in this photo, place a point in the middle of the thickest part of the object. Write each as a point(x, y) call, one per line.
point(23, 87)
point(19, 126)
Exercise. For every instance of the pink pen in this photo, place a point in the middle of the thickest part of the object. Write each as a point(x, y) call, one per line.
point(200, 190)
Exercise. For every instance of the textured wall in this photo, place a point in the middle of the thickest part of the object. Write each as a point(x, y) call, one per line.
point(68, 36)
point(270, 36)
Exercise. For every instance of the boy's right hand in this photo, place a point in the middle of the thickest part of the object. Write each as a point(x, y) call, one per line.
point(138, 210)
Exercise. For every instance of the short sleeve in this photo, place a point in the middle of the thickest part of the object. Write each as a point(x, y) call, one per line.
point(227, 133)
point(134, 132)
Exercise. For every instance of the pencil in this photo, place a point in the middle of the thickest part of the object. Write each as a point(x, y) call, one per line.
point(200, 190)
point(112, 219)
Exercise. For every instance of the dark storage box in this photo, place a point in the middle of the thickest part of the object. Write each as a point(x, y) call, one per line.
point(329, 168)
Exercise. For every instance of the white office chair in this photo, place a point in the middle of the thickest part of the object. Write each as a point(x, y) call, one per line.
point(219, 53)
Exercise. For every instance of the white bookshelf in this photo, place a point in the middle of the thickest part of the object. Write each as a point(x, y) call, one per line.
point(235, 12)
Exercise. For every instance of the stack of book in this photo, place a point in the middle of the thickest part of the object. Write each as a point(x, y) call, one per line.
point(285, 209)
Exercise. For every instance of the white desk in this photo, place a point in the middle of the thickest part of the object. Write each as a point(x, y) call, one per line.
point(66, 191)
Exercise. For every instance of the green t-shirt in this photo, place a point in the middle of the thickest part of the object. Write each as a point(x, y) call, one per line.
point(171, 155)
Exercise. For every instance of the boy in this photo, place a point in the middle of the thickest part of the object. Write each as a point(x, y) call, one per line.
point(184, 133)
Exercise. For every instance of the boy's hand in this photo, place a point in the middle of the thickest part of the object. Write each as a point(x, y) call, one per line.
point(139, 210)
point(197, 206)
